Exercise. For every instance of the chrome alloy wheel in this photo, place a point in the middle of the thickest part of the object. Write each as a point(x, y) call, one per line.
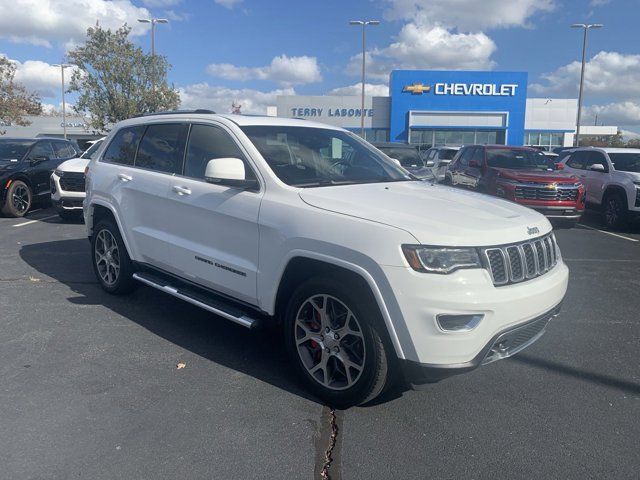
point(612, 211)
point(329, 341)
point(107, 257)
point(20, 199)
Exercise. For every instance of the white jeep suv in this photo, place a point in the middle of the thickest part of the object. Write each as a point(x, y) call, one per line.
point(67, 183)
point(375, 276)
point(612, 180)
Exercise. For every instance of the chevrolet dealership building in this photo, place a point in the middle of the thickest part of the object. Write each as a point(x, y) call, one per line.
point(450, 108)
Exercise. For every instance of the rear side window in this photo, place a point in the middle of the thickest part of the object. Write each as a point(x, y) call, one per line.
point(122, 148)
point(447, 154)
point(466, 156)
point(577, 160)
point(162, 147)
point(207, 142)
point(64, 149)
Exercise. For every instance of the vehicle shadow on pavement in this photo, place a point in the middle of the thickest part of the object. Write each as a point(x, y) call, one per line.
point(257, 353)
point(605, 380)
point(593, 219)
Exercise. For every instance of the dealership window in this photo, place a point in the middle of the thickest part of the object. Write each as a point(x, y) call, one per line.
point(373, 134)
point(544, 140)
point(436, 138)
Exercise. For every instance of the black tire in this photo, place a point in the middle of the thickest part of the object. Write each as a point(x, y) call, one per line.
point(18, 200)
point(614, 211)
point(115, 283)
point(371, 380)
point(70, 215)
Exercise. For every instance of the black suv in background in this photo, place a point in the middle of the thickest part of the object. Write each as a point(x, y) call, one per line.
point(408, 156)
point(25, 167)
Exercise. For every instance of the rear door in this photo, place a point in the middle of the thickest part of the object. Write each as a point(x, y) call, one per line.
point(142, 162)
point(214, 228)
point(595, 181)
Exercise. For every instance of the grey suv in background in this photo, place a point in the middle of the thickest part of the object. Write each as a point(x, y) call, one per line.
point(438, 158)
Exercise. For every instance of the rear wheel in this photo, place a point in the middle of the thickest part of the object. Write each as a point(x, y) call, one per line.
point(111, 262)
point(334, 337)
point(614, 211)
point(18, 200)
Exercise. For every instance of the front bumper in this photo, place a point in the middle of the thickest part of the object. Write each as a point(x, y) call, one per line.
point(503, 345)
point(567, 213)
point(62, 199)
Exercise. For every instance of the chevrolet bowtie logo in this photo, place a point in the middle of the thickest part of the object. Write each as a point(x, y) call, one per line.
point(416, 88)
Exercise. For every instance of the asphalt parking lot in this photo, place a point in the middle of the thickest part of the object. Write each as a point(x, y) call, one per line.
point(90, 386)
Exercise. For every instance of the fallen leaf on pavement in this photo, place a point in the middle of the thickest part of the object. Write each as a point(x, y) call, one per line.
point(181, 365)
point(34, 279)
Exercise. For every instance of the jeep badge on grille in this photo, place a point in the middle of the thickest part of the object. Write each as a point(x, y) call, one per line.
point(533, 230)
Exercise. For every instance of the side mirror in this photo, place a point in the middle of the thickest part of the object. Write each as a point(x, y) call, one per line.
point(474, 163)
point(597, 167)
point(228, 171)
point(559, 166)
point(396, 161)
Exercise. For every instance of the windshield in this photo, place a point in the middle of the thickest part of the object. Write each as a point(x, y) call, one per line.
point(626, 162)
point(14, 149)
point(447, 154)
point(312, 157)
point(408, 157)
point(518, 159)
point(91, 151)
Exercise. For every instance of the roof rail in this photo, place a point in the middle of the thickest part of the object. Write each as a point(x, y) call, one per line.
point(170, 112)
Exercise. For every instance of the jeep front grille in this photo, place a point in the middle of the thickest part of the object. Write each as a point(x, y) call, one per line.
point(521, 261)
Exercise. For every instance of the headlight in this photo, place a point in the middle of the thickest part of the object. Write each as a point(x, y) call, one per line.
point(440, 259)
point(59, 173)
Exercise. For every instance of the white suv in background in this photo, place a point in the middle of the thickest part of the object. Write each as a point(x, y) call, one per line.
point(612, 180)
point(370, 272)
point(438, 158)
point(67, 183)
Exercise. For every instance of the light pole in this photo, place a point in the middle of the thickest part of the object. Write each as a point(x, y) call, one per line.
point(364, 24)
point(153, 22)
point(64, 106)
point(586, 27)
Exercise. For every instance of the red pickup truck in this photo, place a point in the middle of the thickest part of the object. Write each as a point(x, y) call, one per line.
point(520, 174)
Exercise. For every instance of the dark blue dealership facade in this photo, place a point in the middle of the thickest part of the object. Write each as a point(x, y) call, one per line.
point(457, 107)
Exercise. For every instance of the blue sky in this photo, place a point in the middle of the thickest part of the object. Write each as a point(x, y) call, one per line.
point(249, 50)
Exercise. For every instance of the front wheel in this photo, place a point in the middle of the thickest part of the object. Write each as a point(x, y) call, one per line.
point(614, 212)
point(18, 200)
point(334, 337)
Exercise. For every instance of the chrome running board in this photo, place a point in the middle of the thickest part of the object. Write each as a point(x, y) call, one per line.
point(188, 295)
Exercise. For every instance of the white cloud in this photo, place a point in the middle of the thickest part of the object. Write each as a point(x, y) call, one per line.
point(470, 15)
point(599, 3)
point(219, 99)
point(607, 75)
point(40, 77)
point(228, 3)
point(617, 113)
point(284, 70)
point(42, 22)
point(420, 45)
point(161, 3)
point(375, 90)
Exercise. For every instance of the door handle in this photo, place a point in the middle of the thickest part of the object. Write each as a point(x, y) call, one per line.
point(181, 190)
point(124, 177)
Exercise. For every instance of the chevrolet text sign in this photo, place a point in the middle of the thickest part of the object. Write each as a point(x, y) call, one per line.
point(484, 89)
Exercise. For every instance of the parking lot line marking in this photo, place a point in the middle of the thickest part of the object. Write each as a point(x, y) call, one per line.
point(609, 233)
point(34, 221)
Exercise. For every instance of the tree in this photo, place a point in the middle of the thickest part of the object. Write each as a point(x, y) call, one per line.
point(116, 80)
point(15, 100)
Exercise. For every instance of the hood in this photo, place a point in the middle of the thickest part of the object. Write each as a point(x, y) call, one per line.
point(74, 165)
point(536, 175)
point(433, 214)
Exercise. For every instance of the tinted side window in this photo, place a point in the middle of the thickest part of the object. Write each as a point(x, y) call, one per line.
point(478, 155)
point(577, 160)
point(466, 156)
point(207, 142)
point(64, 149)
point(42, 149)
point(122, 148)
point(162, 147)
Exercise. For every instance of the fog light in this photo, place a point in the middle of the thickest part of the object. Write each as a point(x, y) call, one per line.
point(459, 323)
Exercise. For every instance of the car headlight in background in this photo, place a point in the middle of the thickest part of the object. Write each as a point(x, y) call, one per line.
point(440, 259)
